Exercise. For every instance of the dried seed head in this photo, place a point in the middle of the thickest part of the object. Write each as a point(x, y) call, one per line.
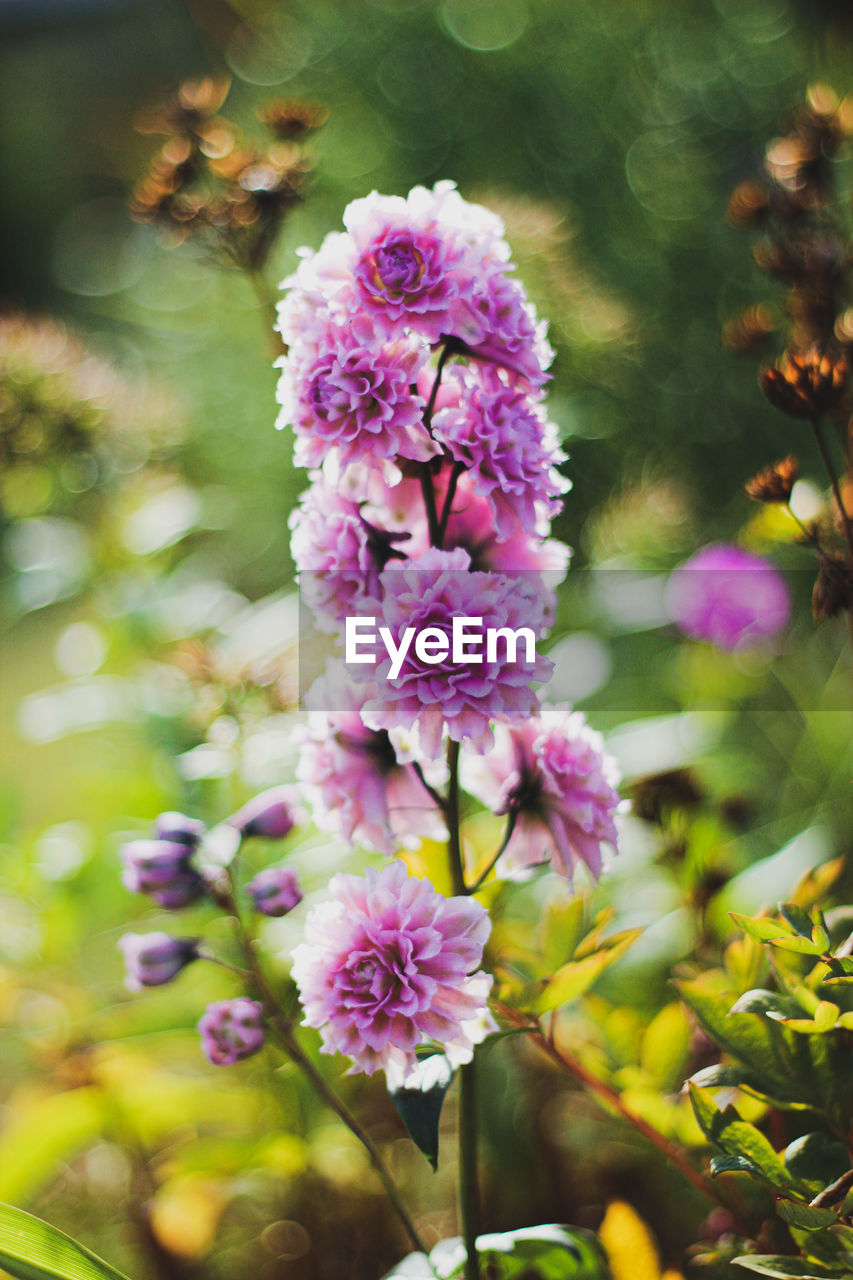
point(833, 589)
point(289, 118)
point(750, 329)
point(805, 384)
point(774, 483)
point(186, 110)
point(749, 203)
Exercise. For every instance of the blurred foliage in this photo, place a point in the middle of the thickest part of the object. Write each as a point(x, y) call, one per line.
point(149, 633)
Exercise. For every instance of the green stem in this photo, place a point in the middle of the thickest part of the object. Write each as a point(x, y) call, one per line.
point(283, 1029)
point(469, 1199)
point(833, 479)
point(507, 836)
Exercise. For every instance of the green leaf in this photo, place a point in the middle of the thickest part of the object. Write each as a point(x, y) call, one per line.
point(805, 1216)
point(802, 946)
point(576, 977)
point(816, 1160)
point(732, 1164)
point(800, 920)
point(735, 1137)
point(769, 1003)
point(420, 1100)
point(665, 1046)
point(768, 1264)
point(825, 1018)
point(762, 928)
point(548, 1252)
point(42, 1133)
point(33, 1250)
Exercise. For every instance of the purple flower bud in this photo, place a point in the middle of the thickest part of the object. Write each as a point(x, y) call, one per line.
point(152, 959)
point(269, 815)
point(161, 868)
point(231, 1030)
point(179, 828)
point(275, 891)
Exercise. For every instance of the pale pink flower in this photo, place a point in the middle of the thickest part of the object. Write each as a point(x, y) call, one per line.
point(388, 964)
point(353, 778)
point(462, 697)
point(554, 777)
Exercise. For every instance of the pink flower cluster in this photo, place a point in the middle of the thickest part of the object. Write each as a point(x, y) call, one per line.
point(388, 964)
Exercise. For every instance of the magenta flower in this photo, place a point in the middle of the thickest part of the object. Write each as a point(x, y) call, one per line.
point(463, 697)
point(499, 433)
point(152, 959)
point(275, 891)
point(269, 815)
point(554, 778)
point(163, 870)
point(179, 828)
point(511, 335)
point(231, 1030)
point(357, 785)
point(729, 597)
point(387, 964)
point(353, 399)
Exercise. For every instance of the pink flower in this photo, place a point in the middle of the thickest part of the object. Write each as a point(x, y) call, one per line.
point(352, 397)
point(499, 433)
point(463, 697)
point(729, 597)
point(387, 964)
point(338, 552)
point(553, 775)
point(352, 776)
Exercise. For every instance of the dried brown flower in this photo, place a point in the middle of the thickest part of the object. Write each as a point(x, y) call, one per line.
point(289, 118)
point(833, 589)
point(750, 329)
point(749, 203)
point(774, 483)
point(805, 384)
point(186, 110)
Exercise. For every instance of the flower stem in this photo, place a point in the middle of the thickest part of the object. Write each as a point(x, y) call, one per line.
point(469, 1196)
point(833, 479)
point(283, 1029)
point(456, 472)
point(507, 836)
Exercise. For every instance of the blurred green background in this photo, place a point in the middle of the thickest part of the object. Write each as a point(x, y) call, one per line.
point(148, 617)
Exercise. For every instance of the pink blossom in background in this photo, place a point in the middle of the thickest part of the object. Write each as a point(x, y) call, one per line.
point(729, 597)
point(500, 434)
point(462, 697)
point(352, 777)
point(553, 773)
point(388, 963)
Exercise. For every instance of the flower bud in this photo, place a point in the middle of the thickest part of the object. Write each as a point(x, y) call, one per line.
point(231, 1030)
point(152, 959)
point(775, 483)
point(275, 891)
point(161, 868)
point(179, 828)
point(805, 384)
point(269, 815)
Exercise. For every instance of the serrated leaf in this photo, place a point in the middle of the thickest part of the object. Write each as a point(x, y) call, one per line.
point(762, 928)
point(782, 1268)
point(420, 1100)
point(806, 1216)
point(736, 1137)
point(576, 977)
point(31, 1249)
